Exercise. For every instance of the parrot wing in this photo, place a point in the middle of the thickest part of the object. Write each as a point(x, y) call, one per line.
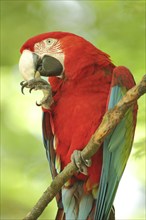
point(48, 142)
point(48, 139)
point(117, 145)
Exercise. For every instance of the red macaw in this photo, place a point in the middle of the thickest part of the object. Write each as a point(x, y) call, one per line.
point(83, 85)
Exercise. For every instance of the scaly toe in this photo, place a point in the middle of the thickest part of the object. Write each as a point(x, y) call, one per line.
point(81, 164)
point(88, 162)
point(39, 84)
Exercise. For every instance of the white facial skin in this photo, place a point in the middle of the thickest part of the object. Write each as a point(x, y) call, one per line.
point(46, 47)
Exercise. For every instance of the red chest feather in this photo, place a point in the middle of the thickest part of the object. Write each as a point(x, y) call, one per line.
point(77, 112)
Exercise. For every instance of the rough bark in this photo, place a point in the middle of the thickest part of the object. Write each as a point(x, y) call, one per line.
point(110, 120)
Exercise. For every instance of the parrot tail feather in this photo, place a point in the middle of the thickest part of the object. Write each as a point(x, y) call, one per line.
point(112, 214)
point(77, 204)
point(92, 213)
point(60, 215)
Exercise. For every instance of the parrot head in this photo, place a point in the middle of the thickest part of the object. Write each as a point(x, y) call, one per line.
point(60, 54)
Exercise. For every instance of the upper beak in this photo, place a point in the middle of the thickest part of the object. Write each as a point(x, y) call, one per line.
point(30, 63)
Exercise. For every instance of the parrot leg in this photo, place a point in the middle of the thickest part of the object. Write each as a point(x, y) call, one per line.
point(39, 84)
point(80, 162)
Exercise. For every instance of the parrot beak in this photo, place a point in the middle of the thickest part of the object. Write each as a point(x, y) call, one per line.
point(31, 65)
point(49, 66)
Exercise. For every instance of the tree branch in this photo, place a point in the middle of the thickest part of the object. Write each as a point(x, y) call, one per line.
point(110, 120)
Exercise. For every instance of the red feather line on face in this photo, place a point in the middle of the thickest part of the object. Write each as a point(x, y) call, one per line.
point(42, 47)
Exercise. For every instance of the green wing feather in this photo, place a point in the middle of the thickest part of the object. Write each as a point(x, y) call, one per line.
point(117, 146)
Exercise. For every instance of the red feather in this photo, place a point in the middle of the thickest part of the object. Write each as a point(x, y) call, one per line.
point(78, 108)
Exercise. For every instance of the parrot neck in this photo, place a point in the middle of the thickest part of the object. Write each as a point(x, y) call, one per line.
point(81, 85)
point(87, 61)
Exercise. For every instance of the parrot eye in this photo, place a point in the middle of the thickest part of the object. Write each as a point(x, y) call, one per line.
point(50, 41)
point(46, 46)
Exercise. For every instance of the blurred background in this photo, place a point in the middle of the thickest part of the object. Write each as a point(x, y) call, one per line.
point(116, 27)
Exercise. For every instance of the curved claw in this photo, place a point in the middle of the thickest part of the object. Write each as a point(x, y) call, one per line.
point(39, 84)
point(38, 104)
point(21, 83)
point(22, 88)
point(88, 162)
point(30, 90)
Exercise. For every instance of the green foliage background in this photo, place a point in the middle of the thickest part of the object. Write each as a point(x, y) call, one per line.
point(116, 27)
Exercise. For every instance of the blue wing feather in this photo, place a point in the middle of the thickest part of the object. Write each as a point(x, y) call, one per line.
point(116, 150)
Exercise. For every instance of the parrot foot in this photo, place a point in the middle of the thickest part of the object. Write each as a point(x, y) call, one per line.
point(39, 84)
point(80, 162)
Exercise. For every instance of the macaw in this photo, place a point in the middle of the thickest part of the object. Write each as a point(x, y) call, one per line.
point(82, 85)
